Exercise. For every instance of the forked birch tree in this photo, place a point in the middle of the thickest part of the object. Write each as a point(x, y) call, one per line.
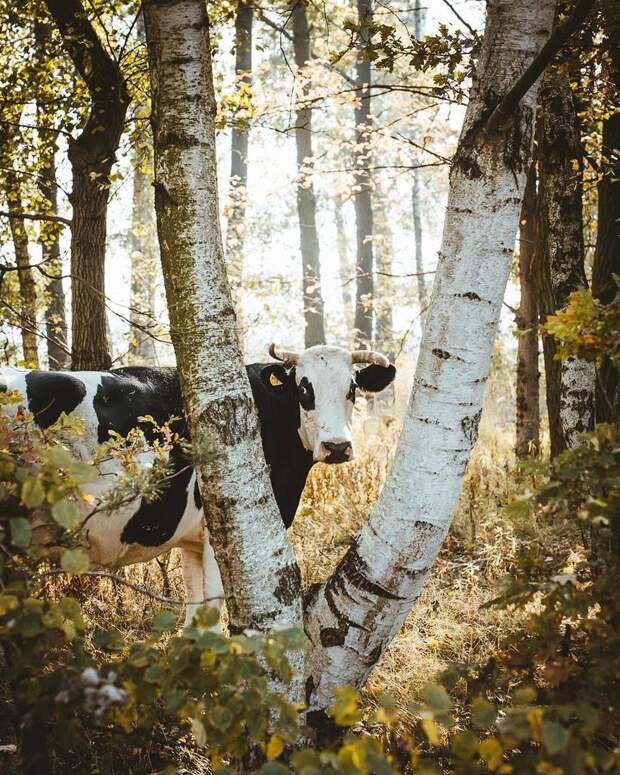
point(259, 571)
point(352, 617)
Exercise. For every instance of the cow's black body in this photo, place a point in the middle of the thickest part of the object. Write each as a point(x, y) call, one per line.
point(128, 393)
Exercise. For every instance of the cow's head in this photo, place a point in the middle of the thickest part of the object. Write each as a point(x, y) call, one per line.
point(325, 380)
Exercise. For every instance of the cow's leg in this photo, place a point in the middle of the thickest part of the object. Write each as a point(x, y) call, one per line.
point(212, 581)
point(191, 561)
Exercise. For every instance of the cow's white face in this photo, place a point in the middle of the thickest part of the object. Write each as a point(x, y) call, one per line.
point(325, 382)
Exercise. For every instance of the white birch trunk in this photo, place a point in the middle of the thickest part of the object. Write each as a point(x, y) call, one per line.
point(352, 617)
point(260, 575)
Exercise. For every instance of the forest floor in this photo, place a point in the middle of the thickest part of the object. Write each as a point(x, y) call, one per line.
point(448, 623)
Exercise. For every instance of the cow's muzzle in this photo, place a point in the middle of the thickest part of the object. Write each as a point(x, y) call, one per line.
point(336, 451)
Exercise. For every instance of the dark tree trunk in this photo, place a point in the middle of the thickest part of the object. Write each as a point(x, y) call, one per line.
point(235, 232)
point(306, 199)
point(55, 308)
point(416, 199)
point(607, 253)
point(27, 287)
point(528, 404)
point(345, 269)
point(569, 383)
point(364, 290)
point(91, 155)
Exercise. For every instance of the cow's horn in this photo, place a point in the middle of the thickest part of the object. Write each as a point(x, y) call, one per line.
point(370, 356)
point(286, 356)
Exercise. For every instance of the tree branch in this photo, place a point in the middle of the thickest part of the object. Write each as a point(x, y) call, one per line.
point(131, 585)
point(557, 39)
point(36, 217)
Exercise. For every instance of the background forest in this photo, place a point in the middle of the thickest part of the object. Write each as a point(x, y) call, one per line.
point(337, 143)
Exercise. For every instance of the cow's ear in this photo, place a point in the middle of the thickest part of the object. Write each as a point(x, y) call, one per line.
point(275, 377)
point(375, 378)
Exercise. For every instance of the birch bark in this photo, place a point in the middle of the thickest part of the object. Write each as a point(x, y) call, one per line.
point(570, 383)
point(353, 616)
point(260, 575)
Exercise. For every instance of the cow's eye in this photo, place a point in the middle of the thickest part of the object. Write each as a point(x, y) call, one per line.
point(351, 393)
point(306, 394)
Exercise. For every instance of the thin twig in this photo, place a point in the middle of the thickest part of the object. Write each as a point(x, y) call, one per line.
point(131, 585)
point(35, 217)
point(460, 18)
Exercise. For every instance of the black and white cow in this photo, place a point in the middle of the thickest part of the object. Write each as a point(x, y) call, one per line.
point(304, 404)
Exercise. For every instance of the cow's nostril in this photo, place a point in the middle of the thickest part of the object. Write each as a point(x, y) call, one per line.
point(338, 451)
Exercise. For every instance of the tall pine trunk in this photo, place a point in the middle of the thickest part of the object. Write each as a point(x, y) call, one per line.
point(527, 419)
point(569, 383)
point(416, 199)
point(362, 186)
point(353, 616)
point(306, 199)
point(607, 253)
point(55, 307)
point(240, 136)
point(27, 286)
point(91, 155)
point(260, 575)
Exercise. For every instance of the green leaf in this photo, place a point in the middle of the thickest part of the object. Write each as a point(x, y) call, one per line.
point(165, 621)
point(492, 752)
point(66, 513)
point(220, 717)
point(75, 561)
point(274, 768)
point(483, 713)
point(553, 736)
point(33, 493)
point(436, 698)
point(21, 532)
point(199, 732)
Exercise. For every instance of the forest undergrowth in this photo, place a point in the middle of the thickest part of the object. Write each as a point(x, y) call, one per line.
point(448, 623)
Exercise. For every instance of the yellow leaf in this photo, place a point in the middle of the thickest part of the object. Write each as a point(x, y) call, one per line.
point(430, 730)
point(491, 751)
point(275, 746)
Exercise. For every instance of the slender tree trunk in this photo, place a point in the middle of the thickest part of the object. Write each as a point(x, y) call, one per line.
point(417, 231)
point(306, 199)
point(91, 155)
point(236, 227)
point(353, 616)
point(27, 286)
point(143, 270)
point(607, 253)
point(55, 310)
point(416, 199)
point(261, 578)
point(527, 422)
point(384, 301)
point(364, 290)
point(569, 383)
point(345, 269)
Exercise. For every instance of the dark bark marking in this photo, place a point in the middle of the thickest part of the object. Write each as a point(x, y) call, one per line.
point(289, 584)
point(470, 425)
point(231, 418)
